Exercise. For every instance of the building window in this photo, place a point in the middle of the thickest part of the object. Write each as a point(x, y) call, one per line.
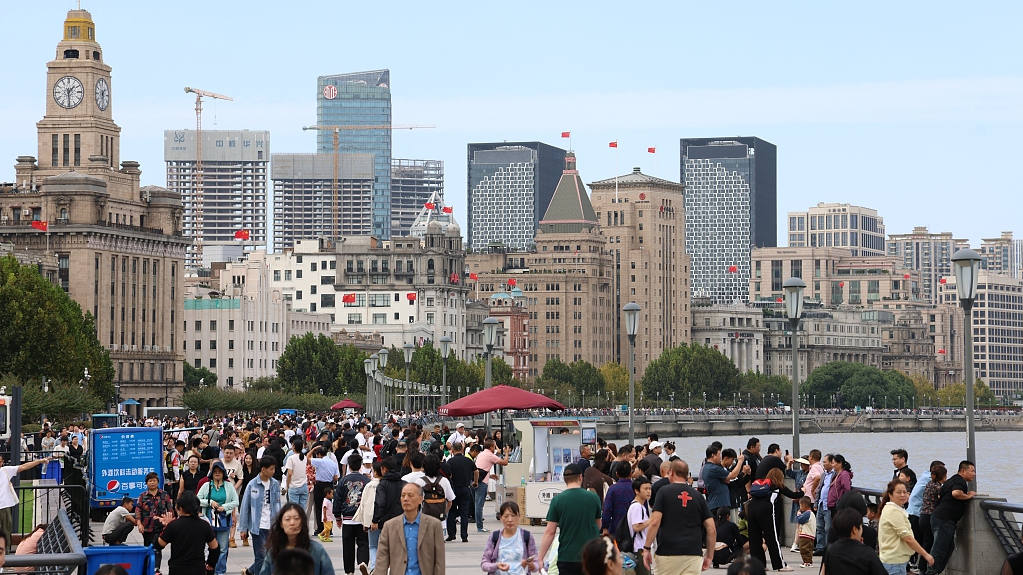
point(230, 325)
point(298, 294)
point(354, 318)
point(230, 344)
point(198, 344)
point(287, 275)
point(327, 300)
point(213, 344)
point(429, 318)
point(213, 325)
point(380, 318)
point(277, 275)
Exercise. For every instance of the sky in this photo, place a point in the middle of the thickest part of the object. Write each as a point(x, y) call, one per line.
point(910, 108)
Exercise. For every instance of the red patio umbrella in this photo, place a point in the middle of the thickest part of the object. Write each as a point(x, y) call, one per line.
point(345, 404)
point(495, 398)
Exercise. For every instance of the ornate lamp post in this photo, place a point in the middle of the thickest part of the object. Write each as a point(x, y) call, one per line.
point(631, 310)
point(409, 349)
point(381, 391)
point(794, 288)
point(967, 268)
point(489, 341)
point(445, 349)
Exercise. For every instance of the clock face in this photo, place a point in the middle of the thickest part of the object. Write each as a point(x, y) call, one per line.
point(68, 92)
point(102, 94)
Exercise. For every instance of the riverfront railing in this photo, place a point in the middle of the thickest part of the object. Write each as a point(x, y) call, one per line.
point(1001, 516)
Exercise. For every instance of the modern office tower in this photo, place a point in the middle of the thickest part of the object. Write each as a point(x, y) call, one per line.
point(997, 331)
point(414, 183)
point(567, 282)
point(234, 166)
point(1002, 255)
point(930, 254)
point(510, 186)
point(859, 229)
point(642, 218)
point(303, 196)
point(360, 99)
point(117, 245)
point(730, 207)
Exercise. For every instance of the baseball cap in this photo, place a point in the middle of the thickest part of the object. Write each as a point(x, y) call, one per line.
point(572, 469)
point(655, 444)
point(803, 461)
point(459, 425)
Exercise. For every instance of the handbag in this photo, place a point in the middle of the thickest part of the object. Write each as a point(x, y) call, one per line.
point(218, 520)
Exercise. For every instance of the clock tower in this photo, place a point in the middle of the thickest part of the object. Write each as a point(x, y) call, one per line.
point(78, 129)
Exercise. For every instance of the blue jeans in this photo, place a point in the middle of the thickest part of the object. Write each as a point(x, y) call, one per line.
point(299, 495)
point(374, 539)
point(481, 498)
point(944, 544)
point(222, 537)
point(895, 569)
point(823, 522)
point(258, 549)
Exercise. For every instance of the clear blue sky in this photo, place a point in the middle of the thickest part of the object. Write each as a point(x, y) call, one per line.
point(908, 108)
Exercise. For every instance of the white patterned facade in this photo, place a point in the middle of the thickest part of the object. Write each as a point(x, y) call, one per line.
point(718, 212)
point(503, 207)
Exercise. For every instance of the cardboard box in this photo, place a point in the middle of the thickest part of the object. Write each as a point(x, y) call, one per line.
point(516, 494)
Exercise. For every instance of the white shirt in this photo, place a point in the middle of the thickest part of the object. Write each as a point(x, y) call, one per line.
point(259, 452)
point(264, 517)
point(8, 498)
point(297, 468)
point(366, 455)
point(456, 437)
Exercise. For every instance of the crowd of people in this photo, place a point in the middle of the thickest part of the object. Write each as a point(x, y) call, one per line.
point(397, 490)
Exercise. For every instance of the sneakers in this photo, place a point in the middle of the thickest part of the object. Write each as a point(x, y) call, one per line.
point(325, 539)
point(786, 568)
point(245, 542)
point(794, 549)
point(482, 530)
point(807, 565)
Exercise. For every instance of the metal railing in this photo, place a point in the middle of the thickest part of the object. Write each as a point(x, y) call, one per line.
point(1002, 519)
point(47, 502)
point(58, 551)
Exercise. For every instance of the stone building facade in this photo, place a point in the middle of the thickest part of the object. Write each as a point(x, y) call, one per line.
point(118, 245)
point(735, 330)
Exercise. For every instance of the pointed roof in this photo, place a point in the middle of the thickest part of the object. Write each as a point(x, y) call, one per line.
point(435, 214)
point(636, 179)
point(570, 209)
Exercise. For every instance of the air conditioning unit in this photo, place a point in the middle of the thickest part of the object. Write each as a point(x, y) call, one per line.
point(26, 211)
point(113, 347)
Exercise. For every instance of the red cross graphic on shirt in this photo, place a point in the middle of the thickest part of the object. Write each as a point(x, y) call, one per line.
point(686, 498)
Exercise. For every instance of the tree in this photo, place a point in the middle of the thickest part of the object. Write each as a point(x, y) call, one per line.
point(955, 395)
point(351, 373)
point(616, 379)
point(859, 385)
point(43, 333)
point(192, 375)
point(554, 372)
point(311, 363)
point(925, 392)
point(695, 369)
point(755, 386)
point(586, 378)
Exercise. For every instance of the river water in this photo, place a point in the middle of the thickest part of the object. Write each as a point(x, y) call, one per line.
point(998, 469)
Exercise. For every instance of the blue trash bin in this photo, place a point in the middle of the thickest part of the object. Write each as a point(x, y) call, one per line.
point(135, 559)
point(52, 470)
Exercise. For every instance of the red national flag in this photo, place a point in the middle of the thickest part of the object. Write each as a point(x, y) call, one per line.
point(411, 296)
point(512, 282)
point(348, 298)
point(430, 205)
point(943, 281)
point(905, 276)
point(454, 278)
point(941, 351)
point(779, 300)
point(241, 235)
point(652, 150)
point(41, 226)
point(566, 134)
point(613, 144)
point(733, 269)
point(447, 209)
point(474, 276)
point(841, 284)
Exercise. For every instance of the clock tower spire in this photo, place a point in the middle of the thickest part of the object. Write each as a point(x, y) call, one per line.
point(78, 130)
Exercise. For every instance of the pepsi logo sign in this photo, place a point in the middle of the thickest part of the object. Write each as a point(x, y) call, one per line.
point(113, 485)
point(330, 92)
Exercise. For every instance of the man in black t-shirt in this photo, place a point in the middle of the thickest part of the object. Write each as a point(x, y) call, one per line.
point(679, 522)
point(946, 515)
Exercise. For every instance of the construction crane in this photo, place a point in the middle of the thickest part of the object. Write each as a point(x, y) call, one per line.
point(197, 186)
point(336, 130)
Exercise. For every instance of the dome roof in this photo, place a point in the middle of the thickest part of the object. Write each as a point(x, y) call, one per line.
point(516, 292)
point(500, 295)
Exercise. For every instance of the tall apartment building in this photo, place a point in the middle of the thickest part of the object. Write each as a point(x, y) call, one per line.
point(1002, 255)
point(360, 99)
point(510, 187)
point(839, 225)
point(303, 196)
point(834, 277)
point(731, 207)
point(406, 289)
point(414, 183)
point(567, 282)
point(997, 330)
point(118, 245)
point(234, 166)
point(239, 329)
point(930, 254)
point(643, 220)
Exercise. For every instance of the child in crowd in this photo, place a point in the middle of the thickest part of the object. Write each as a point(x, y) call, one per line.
point(807, 536)
point(872, 515)
point(328, 514)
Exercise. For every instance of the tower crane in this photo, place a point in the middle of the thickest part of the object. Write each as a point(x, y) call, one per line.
point(199, 94)
point(336, 130)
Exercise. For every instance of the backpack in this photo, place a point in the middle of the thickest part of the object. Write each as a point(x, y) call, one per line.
point(495, 540)
point(760, 488)
point(624, 535)
point(434, 502)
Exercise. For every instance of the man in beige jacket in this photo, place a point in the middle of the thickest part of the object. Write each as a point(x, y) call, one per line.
point(412, 531)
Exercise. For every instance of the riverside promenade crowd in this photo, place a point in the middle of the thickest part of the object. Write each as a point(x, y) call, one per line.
point(393, 494)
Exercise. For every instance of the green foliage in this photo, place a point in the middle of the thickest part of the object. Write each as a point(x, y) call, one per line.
point(216, 400)
point(859, 384)
point(311, 363)
point(616, 379)
point(265, 384)
point(955, 395)
point(192, 375)
point(755, 386)
point(43, 332)
point(556, 371)
point(926, 395)
point(63, 403)
point(695, 369)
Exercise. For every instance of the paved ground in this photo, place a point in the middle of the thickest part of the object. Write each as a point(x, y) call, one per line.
point(462, 558)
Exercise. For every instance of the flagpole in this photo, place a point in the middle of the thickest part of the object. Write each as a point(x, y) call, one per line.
point(616, 170)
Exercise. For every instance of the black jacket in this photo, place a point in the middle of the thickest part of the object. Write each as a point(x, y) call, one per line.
point(848, 557)
point(388, 501)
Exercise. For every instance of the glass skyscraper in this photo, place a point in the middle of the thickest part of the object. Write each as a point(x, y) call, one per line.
point(360, 99)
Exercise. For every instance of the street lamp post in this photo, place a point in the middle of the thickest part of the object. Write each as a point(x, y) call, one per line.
point(489, 341)
point(381, 391)
point(445, 349)
point(631, 310)
point(967, 268)
point(794, 288)
point(368, 365)
point(408, 348)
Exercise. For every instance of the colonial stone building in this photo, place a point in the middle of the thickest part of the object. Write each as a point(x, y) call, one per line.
point(118, 245)
point(736, 330)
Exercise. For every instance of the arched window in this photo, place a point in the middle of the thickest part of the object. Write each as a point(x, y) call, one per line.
point(63, 213)
point(70, 54)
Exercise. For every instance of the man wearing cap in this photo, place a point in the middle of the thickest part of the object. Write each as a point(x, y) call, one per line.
point(576, 511)
point(654, 457)
point(458, 436)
